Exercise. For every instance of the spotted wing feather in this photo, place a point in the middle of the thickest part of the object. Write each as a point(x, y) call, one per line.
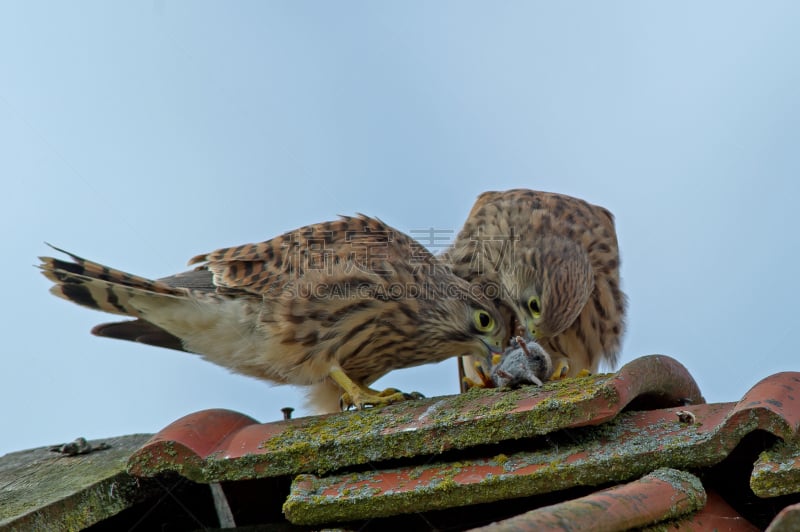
point(270, 265)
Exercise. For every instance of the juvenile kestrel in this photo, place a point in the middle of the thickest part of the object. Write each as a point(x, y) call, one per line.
point(333, 306)
point(551, 264)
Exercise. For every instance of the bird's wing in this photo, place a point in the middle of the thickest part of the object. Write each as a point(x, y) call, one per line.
point(258, 268)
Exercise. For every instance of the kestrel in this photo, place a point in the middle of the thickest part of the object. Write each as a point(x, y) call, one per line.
point(551, 264)
point(333, 306)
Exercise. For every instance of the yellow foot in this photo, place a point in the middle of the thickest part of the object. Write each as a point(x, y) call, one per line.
point(469, 383)
point(560, 370)
point(485, 380)
point(479, 375)
point(365, 397)
point(359, 396)
point(583, 373)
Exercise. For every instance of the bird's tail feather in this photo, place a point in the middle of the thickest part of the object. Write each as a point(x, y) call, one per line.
point(99, 287)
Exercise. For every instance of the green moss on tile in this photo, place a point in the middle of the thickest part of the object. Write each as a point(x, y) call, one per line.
point(415, 428)
point(617, 451)
point(777, 470)
point(42, 490)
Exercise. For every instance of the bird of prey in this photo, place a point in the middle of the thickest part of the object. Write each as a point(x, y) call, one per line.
point(551, 264)
point(333, 306)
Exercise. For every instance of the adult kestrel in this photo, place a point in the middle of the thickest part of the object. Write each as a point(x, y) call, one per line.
point(551, 263)
point(333, 306)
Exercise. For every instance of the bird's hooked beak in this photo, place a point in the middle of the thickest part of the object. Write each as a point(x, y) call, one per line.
point(484, 362)
point(531, 332)
point(494, 348)
point(495, 354)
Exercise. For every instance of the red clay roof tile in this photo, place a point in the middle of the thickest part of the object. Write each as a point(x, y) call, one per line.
point(787, 520)
point(716, 515)
point(662, 495)
point(222, 445)
point(777, 471)
point(492, 445)
point(631, 445)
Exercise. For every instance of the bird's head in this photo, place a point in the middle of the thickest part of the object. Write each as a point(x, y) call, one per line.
point(549, 286)
point(460, 321)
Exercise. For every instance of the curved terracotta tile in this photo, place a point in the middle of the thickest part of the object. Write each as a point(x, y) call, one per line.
point(631, 445)
point(788, 520)
point(662, 495)
point(665, 380)
point(198, 448)
point(183, 444)
point(777, 471)
point(225, 445)
point(775, 401)
point(716, 515)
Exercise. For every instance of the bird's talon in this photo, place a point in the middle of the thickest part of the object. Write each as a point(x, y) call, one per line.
point(368, 398)
point(471, 383)
point(486, 380)
point(345, 403)
point(560, 370)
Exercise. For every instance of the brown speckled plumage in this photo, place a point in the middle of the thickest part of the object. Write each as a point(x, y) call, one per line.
point(560, 249)
point(353, 295)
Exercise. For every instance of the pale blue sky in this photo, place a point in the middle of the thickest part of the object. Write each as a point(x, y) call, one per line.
point(141, 134)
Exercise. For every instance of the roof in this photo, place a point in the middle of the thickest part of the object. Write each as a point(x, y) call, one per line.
point(633, 449)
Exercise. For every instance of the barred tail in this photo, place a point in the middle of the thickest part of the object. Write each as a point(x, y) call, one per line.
point(102, 288)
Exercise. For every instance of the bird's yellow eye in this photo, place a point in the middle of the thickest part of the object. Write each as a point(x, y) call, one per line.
point(484, 322)
point(535, 307)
